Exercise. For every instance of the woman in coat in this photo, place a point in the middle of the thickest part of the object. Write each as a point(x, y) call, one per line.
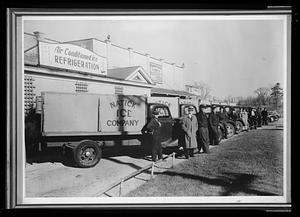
point(189, 125)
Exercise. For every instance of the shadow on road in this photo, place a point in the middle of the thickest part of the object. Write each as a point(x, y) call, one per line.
point(55, 155)
point(232, 183)
point(51, 155)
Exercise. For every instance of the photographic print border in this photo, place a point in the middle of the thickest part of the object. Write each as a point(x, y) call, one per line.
point(15, 117)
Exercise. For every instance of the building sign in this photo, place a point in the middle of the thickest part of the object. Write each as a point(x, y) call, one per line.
point(156, 72)
point(71, 57)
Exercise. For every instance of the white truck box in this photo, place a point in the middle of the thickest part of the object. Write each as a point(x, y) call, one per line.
point(171, 102)
point(92, 114)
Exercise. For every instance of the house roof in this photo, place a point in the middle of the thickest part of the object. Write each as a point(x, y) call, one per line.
point(121, 73)
point(133, 73)
point(170, 92)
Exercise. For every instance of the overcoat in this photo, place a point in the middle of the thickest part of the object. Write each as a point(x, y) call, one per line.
point(153, 128)
point(190, 127)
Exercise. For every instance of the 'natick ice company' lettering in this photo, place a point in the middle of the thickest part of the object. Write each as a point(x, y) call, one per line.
point(122, 123)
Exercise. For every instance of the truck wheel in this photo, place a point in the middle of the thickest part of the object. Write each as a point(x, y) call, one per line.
point(230, 130)
point(239, 127)
point(87, 154)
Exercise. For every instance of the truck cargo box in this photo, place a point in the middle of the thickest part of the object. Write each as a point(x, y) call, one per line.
point(92, 114)
point(171, 102)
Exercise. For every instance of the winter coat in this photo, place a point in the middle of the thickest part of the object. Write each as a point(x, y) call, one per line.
point(213, 120)
point(223, 116)
point(202, 120)
point(190, 127)
point(153, 128)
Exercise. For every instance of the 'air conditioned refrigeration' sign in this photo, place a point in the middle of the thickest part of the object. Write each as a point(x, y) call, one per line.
point(71, 57)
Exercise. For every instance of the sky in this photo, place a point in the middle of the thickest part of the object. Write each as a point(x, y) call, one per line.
point(232, 56)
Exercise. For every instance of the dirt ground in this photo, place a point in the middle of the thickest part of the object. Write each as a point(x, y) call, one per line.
point(49, 175)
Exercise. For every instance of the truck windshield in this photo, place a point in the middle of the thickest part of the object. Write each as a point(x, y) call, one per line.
point(163, 112)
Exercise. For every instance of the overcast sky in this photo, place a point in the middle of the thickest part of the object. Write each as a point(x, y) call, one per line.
point(234, 57)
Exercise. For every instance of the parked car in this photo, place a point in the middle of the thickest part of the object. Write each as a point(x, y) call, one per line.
point(273, 116)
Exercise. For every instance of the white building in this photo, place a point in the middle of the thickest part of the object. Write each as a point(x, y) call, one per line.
point(95, 66)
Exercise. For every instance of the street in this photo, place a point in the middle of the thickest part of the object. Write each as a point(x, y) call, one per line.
point(247, 159)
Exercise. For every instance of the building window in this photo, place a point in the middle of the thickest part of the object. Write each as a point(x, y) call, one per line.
point(81, 87)
point(29, 95)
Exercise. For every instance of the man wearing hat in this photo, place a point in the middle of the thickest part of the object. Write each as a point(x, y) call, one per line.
point(189, 125)
point(152, 128)
point(223, 116)
point(203, 136)
point(214, 123)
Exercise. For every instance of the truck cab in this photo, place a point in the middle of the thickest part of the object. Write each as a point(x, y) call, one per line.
point(166, 120)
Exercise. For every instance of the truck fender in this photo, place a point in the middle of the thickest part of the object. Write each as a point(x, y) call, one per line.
point(73, 145)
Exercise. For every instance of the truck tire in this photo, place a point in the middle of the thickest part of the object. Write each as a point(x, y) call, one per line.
point(230, 130)
point(239, 127)
point(87, 154)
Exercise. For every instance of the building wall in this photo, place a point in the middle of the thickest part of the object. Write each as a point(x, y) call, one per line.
point(140, 60)
point(35, 84)
point(118, 56)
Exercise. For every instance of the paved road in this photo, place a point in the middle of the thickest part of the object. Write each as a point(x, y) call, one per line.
point(48, 176)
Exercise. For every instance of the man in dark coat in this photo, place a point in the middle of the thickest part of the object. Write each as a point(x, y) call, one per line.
point(258, 117)
point(203, 134)
point(152, 128)
point(214, 124)
point(223, 117)
point(264, 115)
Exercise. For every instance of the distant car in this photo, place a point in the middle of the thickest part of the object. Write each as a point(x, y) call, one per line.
point(273, 116)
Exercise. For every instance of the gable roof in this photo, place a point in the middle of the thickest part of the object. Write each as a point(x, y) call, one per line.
point(133, 73)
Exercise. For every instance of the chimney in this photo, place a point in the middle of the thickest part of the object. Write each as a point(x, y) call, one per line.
point(39, 35)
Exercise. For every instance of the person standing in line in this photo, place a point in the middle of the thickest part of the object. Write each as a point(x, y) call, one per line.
point(258, 117)
point(264, 115)
point(223, 117)
point(203, 135)
point(244, 117)
point(253, 118)
point(152, 128)
point(189, 125)
point(214, 124)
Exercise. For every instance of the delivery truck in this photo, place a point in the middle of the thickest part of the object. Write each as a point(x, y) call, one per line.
point(177, 106)
point(87, 123)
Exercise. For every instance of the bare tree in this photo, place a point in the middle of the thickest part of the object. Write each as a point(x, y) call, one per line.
point(204, 89)
point(263, 95)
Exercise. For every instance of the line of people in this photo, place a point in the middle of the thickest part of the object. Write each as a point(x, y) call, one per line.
point(200, 130)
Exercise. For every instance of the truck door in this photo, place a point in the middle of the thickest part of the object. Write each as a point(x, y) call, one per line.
point(166, 121)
